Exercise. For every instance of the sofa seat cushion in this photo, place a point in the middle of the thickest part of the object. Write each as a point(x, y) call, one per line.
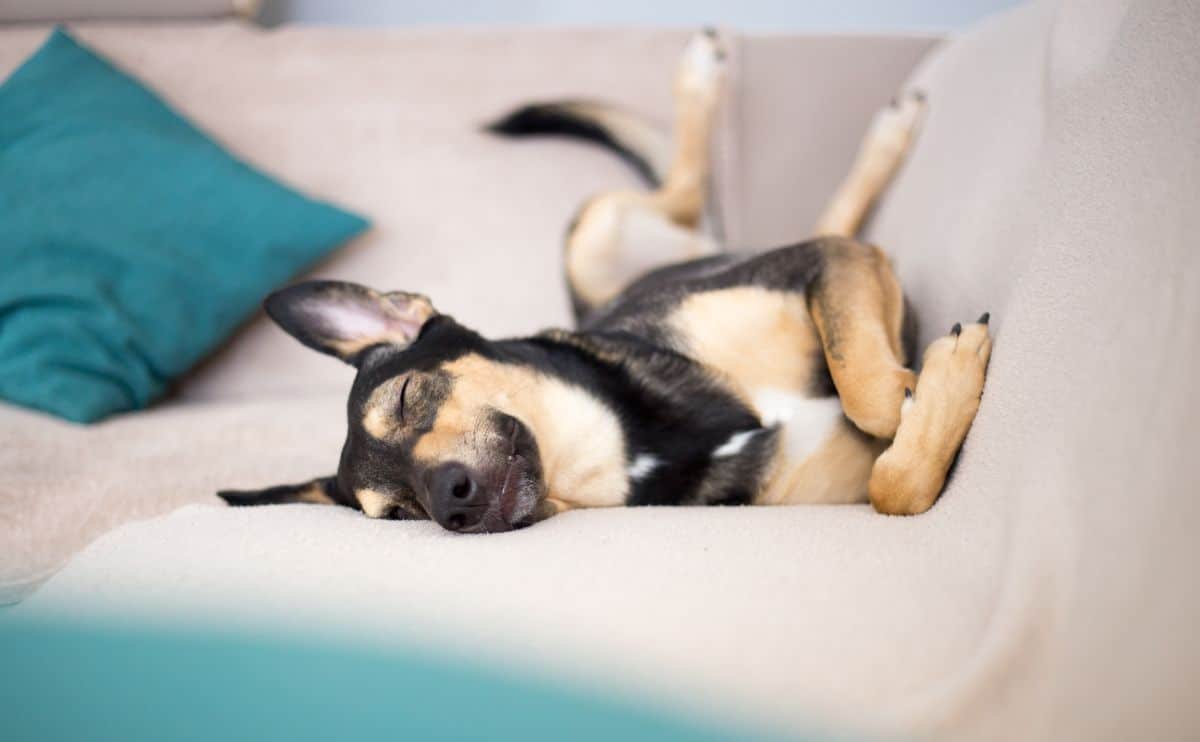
point(782, 615)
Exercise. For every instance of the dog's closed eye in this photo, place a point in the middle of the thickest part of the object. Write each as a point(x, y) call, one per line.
point(403, 395)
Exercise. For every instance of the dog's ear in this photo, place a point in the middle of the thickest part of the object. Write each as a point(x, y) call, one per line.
point(321, 491)
point(344, 319)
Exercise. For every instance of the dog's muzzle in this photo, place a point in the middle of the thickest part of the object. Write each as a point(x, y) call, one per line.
point(498, 495)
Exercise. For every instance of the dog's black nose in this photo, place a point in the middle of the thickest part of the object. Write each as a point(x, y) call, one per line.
point(458, 501)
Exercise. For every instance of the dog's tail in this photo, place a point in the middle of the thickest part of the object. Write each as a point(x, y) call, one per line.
point(645, 147)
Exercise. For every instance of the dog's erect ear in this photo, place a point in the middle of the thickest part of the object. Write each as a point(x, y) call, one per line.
point(321, 491)
point(344, 319)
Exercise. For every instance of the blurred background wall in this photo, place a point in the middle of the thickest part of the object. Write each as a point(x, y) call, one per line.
point(759, 15)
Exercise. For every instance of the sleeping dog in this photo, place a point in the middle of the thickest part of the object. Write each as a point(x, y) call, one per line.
point(695, 377)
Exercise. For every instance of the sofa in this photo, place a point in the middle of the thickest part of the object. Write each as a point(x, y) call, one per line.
point(1049, 594)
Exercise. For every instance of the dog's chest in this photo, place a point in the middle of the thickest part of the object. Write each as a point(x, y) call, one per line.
point(761, 342)
point(764, 345)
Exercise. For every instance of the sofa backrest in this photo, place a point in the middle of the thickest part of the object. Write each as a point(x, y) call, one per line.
point(796, 109)
point(24, 11)
point(1056, 183)
point(386, 122)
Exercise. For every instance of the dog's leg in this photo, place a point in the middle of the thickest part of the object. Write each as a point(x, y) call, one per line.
point(618, 240)
point(697, 93)
point(879, 157)
point(908, 476)
point(620, 236)
point(858, 309)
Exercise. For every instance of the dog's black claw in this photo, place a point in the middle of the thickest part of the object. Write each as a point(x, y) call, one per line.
point(919, 95)
point(908, 393)
point(710, 32)
point(956, 330)
point(983, 318)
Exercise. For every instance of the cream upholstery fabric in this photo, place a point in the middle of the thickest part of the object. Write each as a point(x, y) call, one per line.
point(1055, 184)
point(1048, 595)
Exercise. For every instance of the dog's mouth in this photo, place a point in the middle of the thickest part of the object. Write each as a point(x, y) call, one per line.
point(514, 481)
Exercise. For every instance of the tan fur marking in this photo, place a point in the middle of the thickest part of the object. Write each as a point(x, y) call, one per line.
point(579, 440)
point(858, 311)
point(909, 476)
point(698, 85)
point(378, 423)
point(835, 473)
point(623, 234)
point(753, 337)
point(314, 494)
point(379, 415)
point(351, 348)
point(764, 343)
point(374, 504)
point(879, 157)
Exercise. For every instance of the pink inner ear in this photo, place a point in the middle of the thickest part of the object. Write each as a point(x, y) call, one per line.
point(403, 329)
point(369, 319)
point(406, 315)
point(350, 320)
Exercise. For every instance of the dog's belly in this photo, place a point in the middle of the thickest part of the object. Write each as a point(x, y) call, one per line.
point(822, 458)
point(764, 345)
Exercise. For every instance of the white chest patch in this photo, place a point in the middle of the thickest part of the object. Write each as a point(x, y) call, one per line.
point(804, 423)
point(734, 445)
point(643, 466)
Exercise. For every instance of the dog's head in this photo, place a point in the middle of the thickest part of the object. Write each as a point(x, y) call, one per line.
point(435, 417)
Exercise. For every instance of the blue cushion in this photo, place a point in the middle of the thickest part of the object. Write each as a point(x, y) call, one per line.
point(130, 243)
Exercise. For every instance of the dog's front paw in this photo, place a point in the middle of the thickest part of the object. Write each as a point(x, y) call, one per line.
point(934, 420)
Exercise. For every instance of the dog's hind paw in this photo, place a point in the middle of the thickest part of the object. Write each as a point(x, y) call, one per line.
point(702, 67)
point(895, 127)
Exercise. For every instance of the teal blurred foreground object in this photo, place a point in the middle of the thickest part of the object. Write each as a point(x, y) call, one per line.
point(130, 243)
point(69, 683)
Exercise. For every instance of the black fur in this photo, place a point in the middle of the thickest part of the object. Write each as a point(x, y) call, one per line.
point(286, 493)
point(641, 308)
point(539, 119)
point(669, 408)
